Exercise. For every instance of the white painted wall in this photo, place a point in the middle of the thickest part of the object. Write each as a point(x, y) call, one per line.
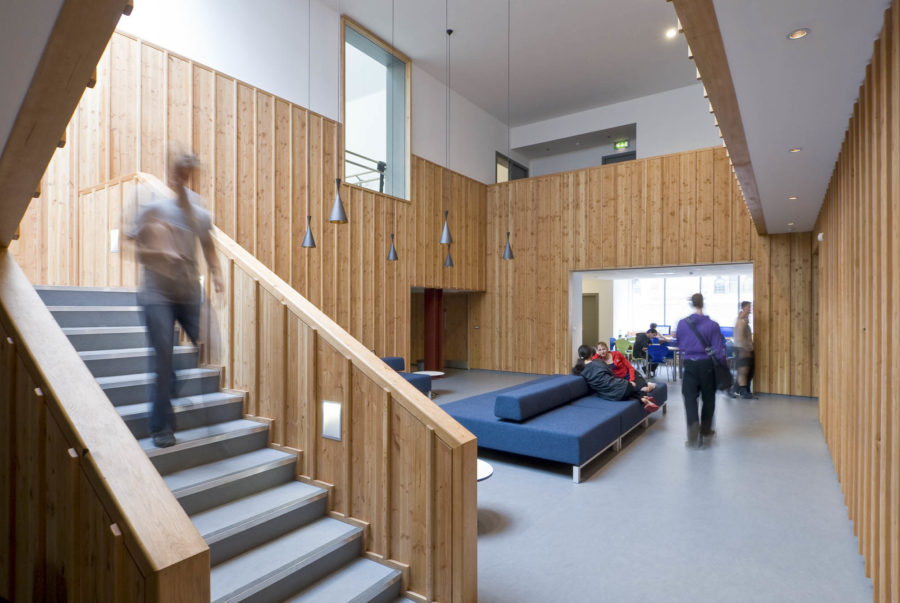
point(261, 43)
point(573, 160)
point(475, 135)
point(668, 122)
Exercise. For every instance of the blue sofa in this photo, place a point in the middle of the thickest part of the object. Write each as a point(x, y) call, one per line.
point(420, 382)
point(556, 418)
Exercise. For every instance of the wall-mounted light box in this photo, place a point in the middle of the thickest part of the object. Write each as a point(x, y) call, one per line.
point(622, 144)
point(331, 420)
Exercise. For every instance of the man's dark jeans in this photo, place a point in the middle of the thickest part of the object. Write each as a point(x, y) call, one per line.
point(160, 319)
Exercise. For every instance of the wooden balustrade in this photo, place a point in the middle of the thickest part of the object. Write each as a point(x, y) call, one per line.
point(402, 467)
point(85, 515)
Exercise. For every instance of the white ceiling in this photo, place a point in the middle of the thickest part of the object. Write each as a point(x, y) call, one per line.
point(567, 55)
point(796, 93)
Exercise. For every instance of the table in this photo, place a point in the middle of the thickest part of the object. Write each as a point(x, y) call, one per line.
point(483, 470)
point(433, 375)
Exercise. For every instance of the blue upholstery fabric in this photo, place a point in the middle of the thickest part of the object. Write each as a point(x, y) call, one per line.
point(572, 432)
point(532, 399)
point(567, 434)
point(420, 382)
point(395, 362)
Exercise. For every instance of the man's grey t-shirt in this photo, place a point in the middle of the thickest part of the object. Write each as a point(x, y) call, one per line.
point(184, 285)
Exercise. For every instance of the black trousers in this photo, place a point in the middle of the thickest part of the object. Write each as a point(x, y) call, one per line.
point(699, 380)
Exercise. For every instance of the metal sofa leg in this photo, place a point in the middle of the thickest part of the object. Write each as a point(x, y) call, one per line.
point(576, 474)
point(618, 445)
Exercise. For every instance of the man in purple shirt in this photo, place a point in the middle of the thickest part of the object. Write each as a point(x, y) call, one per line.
point(699, 370)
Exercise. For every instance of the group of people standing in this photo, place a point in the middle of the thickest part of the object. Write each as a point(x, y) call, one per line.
point(702, 347)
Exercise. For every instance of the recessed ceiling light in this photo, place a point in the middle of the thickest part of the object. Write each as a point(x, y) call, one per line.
point(793, 197)
point(671, 32)
point(790, 223)
point(798, 33)
point(796, 149)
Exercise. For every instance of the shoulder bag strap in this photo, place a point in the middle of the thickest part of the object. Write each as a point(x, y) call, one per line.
point(703, 340)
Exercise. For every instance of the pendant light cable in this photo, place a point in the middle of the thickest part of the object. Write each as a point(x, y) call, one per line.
point(308, 240)
point(338, 215)
point(392, 252)
point(446, 237)
point(507, 251)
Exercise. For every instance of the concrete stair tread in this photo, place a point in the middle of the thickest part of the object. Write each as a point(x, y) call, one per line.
point(181, 404)
point(95, 308)
point(101, 330)
point(190, 480)
point(131, 353)
point(218, 522)
point(245, 574)
point(150, 378)
point(356, 582)
point(201, 435)
point(75, 289)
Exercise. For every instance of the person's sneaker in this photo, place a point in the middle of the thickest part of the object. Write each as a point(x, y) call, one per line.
point(651, 407)
point(746, 395)
point(163, 439)
point(707, 433)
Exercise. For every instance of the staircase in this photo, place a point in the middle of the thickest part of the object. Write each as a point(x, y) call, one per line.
point(268, 534)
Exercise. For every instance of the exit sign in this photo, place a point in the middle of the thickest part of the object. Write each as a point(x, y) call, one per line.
point(622, 144)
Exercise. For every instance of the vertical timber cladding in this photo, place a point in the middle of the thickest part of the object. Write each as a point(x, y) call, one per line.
point(857, 292)
point(267, 164)
point(677, 209)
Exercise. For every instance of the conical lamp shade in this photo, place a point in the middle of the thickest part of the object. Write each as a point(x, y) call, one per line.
point(338, 216)
point(448, 261)
point(392, 253)
point(308, 240)
point(446, 239)
point(507, 253)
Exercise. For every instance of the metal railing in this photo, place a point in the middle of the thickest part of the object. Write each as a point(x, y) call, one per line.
point(370, 170)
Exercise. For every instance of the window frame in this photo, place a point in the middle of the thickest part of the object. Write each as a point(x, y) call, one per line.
point(363, 31)
point(509, 163)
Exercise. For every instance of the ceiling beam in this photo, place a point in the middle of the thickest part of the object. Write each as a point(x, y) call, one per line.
point(77, 40)
point(701, 28)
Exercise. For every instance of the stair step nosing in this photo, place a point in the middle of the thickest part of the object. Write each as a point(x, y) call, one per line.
point(178, 407)
point(94, 308)
point(261, 518)
point(229, 478)
point(212, 439)
point(292, 566)
point(122, 353)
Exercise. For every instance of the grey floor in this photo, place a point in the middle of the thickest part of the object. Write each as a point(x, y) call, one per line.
point(758, 516)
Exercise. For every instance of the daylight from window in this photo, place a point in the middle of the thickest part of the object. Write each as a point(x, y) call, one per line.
point(374, 116)
point(639, 301)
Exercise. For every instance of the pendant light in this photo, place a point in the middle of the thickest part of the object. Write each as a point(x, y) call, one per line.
point(446, 237)
point(338, 215)
point(308, 240)
point(507, 251)
point(392, 252)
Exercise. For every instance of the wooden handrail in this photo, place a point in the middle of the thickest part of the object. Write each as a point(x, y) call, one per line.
point(170, 554)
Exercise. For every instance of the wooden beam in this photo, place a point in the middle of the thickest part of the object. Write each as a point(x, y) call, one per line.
point(76, 42)
point(701, 28)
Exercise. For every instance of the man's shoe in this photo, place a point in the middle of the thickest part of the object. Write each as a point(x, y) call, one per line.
point(693, 440)
point(163, 439)
point(707, 433)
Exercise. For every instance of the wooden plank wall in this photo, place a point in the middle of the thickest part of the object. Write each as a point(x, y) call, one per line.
point(859, 287)
point(84, 516)
point(267, 164)
point(677, 209)
point(403, 469)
